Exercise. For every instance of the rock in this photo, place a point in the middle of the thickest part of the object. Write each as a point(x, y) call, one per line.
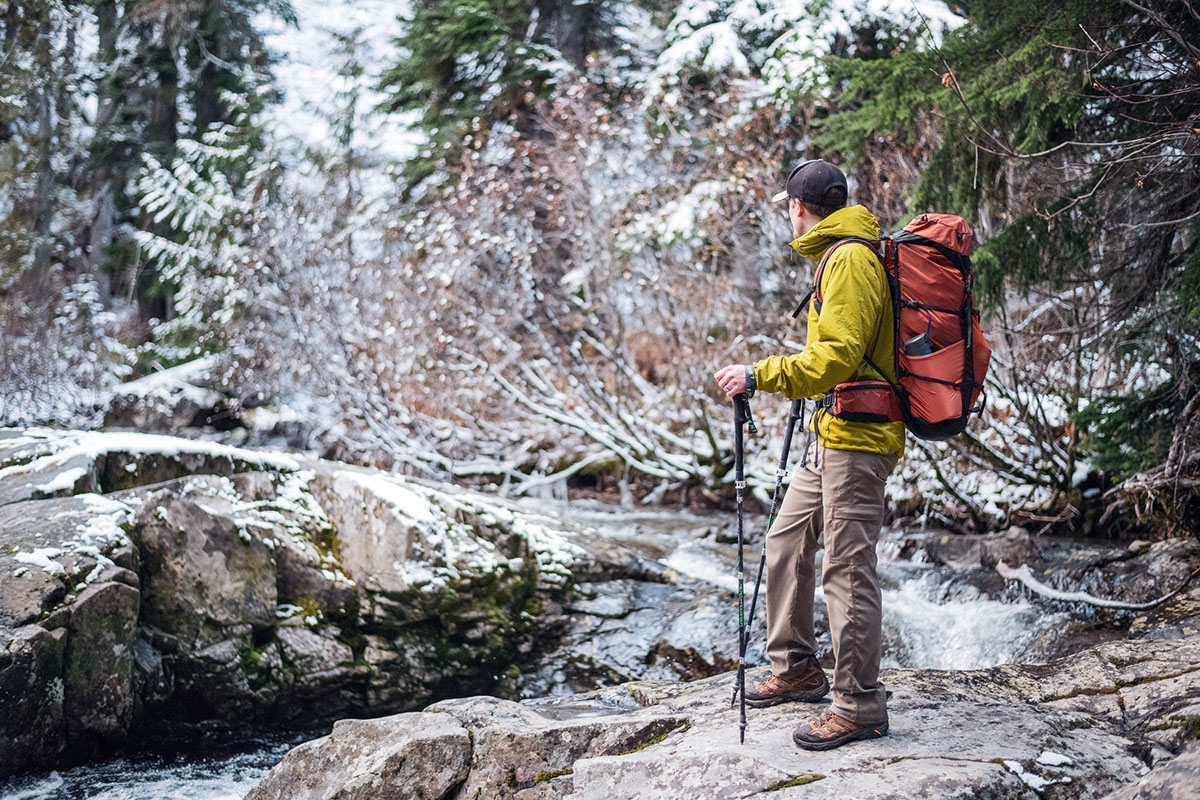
point(312, 654)
point(203, 574)
point(98, 665)
point(620, 630)
point(48, 547)
point(1003, 732)
point(421, 756)
point(227, 599)
point(1013, 546)
point(516, 747)
point(1177, 779)
point(31, 695)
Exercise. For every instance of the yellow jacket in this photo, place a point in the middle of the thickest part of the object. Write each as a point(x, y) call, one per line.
point(855, 318)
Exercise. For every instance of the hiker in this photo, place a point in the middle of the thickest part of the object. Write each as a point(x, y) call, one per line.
point(838, 489)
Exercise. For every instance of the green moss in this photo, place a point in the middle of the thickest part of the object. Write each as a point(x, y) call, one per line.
point(310, 607)
point(329, 547)
point(682, 725)
point(1188, 726)
point(546, 776)
point(511, 780)
point(1155, 678)
point(1085, 692)
point(796, 780)
point(248, 657)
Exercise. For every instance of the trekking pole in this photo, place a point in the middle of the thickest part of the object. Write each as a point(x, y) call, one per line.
point(797, 413)
point(741, 416)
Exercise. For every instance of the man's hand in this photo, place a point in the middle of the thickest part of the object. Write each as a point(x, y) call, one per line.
point(732, 379)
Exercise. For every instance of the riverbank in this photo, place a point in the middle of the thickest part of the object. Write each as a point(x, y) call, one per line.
point(1118, 721)
point(157, 586)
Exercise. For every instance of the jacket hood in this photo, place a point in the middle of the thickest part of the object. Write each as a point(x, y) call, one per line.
point(849, 221)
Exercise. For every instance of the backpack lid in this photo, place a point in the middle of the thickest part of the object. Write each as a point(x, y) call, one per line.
point(947, 230)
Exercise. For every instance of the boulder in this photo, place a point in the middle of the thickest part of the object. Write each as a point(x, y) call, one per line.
point(256, 592)
point(98, 664)
point(418, 755)
point(31, 694)
point(204, 573)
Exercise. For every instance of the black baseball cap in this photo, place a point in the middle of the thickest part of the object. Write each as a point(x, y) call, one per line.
point(816, 181)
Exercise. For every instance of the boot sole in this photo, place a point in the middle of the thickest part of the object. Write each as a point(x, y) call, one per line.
point(829, 744)
point(807, 696)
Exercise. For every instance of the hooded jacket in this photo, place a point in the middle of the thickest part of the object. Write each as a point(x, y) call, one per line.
point(855, 318)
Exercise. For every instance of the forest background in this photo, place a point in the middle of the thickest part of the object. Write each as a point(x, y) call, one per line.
point(506, 242)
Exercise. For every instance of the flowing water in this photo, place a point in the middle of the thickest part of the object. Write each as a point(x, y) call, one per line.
point(933, 618)
point(225, 772)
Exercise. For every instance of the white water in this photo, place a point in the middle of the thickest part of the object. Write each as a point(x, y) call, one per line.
point(187, 777)
point(964, 631)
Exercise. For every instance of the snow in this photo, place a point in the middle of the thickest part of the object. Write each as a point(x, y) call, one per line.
point(91, 445)
point(1030, 779)
point(63, 481)
point(43, 557)
point(178, 380)
point(1049, 758)
point(407, 503)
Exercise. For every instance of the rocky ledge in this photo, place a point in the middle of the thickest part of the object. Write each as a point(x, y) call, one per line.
point(152, 585)
point(1118, 721)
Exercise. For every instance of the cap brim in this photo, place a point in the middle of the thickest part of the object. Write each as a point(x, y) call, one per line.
point(781, 196)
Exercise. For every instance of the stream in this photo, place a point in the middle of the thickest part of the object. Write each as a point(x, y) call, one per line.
point(934, 617)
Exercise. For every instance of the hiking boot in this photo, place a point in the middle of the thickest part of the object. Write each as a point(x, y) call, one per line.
point(831, 730)
point(808, 688)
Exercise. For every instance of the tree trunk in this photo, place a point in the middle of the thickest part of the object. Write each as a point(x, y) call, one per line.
point(100, 231)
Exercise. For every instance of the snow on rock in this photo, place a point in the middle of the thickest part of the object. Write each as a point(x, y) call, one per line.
point(43, 557)
point(1049, 758)
point(54, 463)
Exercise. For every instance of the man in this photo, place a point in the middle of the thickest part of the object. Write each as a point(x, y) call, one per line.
point(838, 489)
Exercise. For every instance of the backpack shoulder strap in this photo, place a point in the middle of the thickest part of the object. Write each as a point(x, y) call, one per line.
point(870, 244)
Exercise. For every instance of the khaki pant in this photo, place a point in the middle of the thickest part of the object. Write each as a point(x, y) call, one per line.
point(840, 493)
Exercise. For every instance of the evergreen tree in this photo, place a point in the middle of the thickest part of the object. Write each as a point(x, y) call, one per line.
point(1066, 133)
point(467, 63)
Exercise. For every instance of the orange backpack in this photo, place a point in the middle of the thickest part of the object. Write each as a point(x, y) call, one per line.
point(941, 355)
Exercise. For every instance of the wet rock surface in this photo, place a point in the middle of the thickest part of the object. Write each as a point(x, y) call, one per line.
point(1005, 732)
point(267, 592)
